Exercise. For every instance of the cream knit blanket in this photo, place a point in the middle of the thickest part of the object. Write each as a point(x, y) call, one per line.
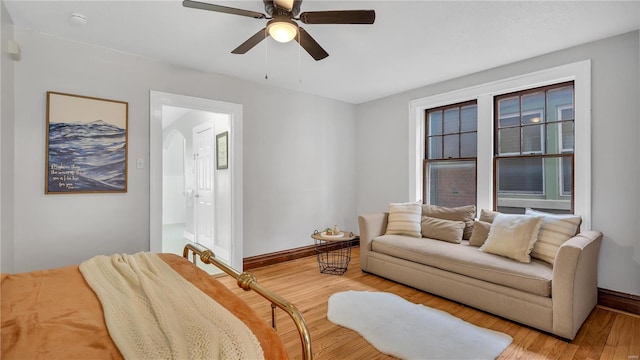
point(152, 312)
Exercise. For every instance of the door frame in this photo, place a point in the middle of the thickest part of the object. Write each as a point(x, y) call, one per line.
point(157, 100)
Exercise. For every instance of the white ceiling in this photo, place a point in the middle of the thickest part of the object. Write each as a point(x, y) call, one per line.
point(411, 44)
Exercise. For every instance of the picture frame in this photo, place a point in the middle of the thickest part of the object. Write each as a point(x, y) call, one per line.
point(222, 150)
point(86, 144)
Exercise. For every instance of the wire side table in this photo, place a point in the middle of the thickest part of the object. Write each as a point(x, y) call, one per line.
point(333, 251)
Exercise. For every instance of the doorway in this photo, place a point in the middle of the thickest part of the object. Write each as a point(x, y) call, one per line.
point(191, 200)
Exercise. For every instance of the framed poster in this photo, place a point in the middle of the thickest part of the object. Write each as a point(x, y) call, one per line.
point(86, 150)
point(222, 148)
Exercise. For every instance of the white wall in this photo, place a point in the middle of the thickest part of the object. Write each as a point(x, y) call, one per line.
point(6, 144)
point(290, 138)
point(382, 150)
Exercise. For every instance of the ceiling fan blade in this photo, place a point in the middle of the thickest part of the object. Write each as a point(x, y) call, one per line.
point(310, 45)
point(251, 42)
point(222, 9)
point(339, 17)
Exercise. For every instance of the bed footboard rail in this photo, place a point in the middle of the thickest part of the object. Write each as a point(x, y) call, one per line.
point(247, 282)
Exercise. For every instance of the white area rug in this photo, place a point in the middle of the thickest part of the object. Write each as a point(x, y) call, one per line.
point(406, 330)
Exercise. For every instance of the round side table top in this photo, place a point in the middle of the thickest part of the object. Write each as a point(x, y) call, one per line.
point(342, 237)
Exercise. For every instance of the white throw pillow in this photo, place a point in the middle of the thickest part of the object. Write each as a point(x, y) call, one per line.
point(513, 236)
point(404, 219)
point(554, 231)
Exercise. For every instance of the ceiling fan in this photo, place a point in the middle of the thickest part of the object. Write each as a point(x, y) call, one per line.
point(282, 25)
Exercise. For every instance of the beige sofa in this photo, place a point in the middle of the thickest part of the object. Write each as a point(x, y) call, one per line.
point(554, 298)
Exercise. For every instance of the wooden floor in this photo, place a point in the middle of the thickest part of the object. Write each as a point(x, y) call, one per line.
point(607, 334)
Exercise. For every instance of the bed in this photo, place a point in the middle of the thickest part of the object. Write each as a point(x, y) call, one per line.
point(55, 314)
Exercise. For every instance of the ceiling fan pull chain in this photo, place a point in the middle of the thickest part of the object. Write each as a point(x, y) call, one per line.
point(299, 61)
point(266, 56)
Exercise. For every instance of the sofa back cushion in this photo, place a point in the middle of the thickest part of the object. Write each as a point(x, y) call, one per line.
point(441, 229)
point(465, 214)
point(481, 227)
point(513, 236)
point(480, 233)
point(404, 219)
point(487, 215)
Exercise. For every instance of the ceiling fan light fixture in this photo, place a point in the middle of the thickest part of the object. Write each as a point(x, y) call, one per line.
point(282, 30)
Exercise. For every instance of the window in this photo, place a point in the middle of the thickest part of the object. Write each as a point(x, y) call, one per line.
point(533, 155)
point(450, 155)
point(575, 166)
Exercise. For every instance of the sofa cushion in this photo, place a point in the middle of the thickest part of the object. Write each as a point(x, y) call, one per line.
point(487, 215)
point(404, 219)
point(554, 231)
point(534, 277)
point(513, 236)
point(480, 233)
point(465, 214)
point(441, 229)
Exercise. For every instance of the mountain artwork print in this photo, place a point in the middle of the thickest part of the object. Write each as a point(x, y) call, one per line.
point(86, 144)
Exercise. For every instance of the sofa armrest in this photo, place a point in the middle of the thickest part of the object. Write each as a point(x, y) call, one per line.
point(370, 226)
point(574, 286)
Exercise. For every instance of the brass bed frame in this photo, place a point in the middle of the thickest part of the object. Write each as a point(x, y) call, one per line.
point(247, 282)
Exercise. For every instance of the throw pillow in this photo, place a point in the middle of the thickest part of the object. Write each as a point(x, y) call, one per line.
point(465, 214)
point(404, 219)
point(513, 236)
point(554, 231)
point(441, 229)
point(487, 215)
point(480, 233)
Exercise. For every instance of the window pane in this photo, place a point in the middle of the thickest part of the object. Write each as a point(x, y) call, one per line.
point(520, 189)
point(520, 176)
point(468, 145)
point(451, 121)
point(566, 176)
point(435, 123)
point(567, 136)
point(451, 183)
point(469, 118)
point(532, 117)
point(509, 106)
point(451, 146)
point(509, 120)
point(554, 142)
point(557, 101)
point(509, 141)
point(435, 147)
point(533, 101)
point(565, 113)
point(532, 139)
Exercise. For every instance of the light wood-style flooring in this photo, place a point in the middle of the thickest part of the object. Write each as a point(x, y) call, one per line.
point(607, 334)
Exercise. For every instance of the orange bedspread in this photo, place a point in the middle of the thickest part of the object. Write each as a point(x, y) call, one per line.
point(54, 314)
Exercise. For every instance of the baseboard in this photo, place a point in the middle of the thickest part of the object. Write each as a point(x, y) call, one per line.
point(619, 301)
point(257, 261)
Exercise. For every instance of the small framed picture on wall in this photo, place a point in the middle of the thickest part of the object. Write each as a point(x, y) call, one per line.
point(86, 149)
point(222, 150)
